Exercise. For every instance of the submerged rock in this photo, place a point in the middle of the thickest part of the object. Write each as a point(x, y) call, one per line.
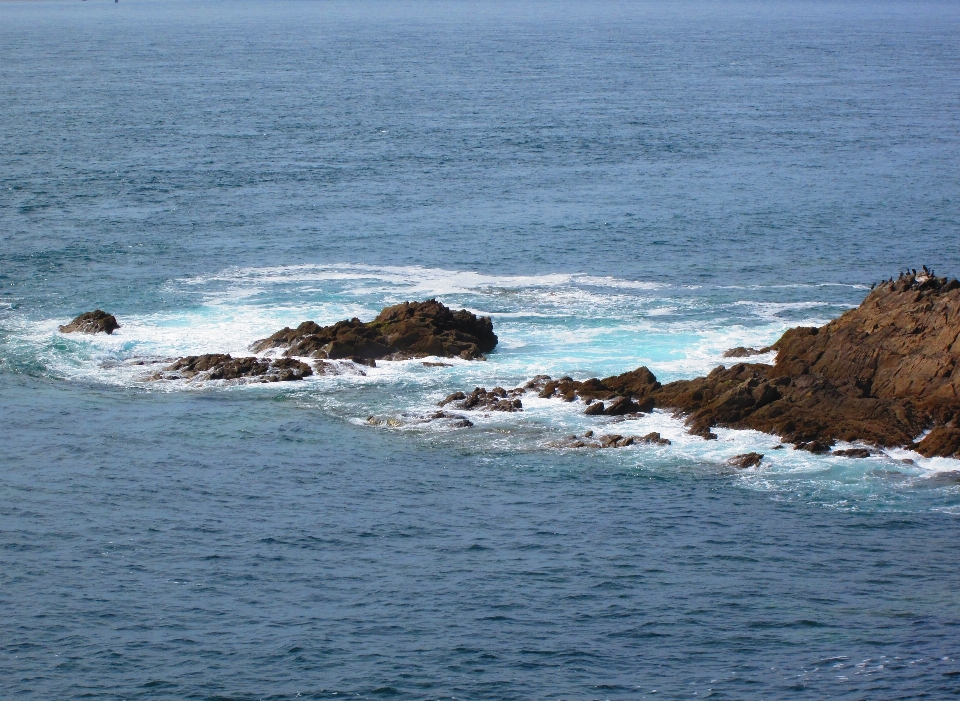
point(408, 330)
point(853, 453)
point(221, 366)
point(613, 440)
point(446, 418)
point(96, 321)
point(741, 352)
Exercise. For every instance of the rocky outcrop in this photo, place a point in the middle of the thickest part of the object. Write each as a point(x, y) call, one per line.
point(882, 374)
point(220, 366)
point(408, 330)
point(97, 321)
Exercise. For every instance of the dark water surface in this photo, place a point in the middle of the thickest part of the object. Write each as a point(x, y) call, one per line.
point(616, 184)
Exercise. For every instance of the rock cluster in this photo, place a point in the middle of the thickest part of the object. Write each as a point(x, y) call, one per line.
point(496, 399)
point(408, 330)
point(96, 321)
point(220, 366)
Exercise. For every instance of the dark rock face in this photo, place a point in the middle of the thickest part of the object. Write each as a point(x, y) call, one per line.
point(219, 366)
point(742, 462)
point(408, 330)
point(96, 321)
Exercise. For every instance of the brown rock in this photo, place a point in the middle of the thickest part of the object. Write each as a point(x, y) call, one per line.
point(408, 330)
point(96, 321)
point(595, 409)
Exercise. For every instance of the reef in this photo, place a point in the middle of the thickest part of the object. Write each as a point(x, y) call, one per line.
point(220, 366)
point(407, 330)
point(882, 374)
point(97, 321)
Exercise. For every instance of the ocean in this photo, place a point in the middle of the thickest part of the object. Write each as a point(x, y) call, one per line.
point(616, 184)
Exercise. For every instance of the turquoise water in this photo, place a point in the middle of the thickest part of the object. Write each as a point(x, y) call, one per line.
point(617, 185)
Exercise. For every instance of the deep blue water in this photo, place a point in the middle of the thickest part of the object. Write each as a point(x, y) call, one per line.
point(617, 184)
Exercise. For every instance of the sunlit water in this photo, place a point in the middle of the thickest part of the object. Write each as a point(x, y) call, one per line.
point(616, 186)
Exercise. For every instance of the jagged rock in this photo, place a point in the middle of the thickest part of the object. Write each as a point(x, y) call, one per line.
point(408, 330)
point(654, 438)
point(742, 462)
point(219, 366)
point(595, 409)
point(625, 405)
point(96, 321)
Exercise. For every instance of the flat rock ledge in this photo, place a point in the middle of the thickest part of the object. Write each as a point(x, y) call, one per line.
point(880, 374)
point(403, 331)
point(97, 321)
point(220, 366)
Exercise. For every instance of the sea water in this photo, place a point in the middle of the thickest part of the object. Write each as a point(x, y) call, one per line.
point(616, 185)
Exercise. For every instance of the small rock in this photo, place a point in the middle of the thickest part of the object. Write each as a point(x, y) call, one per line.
point(742, 462)
point(853, 453)
point(654, 438)
point(594, 409)
point(96, 321)
point(608, 441)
